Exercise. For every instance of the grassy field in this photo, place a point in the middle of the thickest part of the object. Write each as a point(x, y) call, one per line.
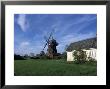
point(53, 68)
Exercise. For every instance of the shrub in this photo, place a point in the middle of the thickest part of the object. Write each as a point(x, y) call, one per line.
point(18, 57)
point(64, 55)
point(91, 59)
point(79, 56)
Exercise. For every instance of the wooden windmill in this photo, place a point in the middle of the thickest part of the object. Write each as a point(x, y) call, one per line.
point(51, 44)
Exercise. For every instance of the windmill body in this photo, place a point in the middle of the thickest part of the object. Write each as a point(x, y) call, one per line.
point(51, 44)
point(52, 50)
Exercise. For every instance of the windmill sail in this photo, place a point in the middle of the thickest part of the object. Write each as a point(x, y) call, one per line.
point(51, 42)
point(45, 46)
point(47, 40)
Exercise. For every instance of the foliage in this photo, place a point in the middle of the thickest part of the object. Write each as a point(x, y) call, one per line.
point(42, 53)
point(31, 54)
point(91, 59)
point(53, 68)
point(44, 57)
point(18, 57)
point(26, 56)
point(64, 55)
point(79, 56)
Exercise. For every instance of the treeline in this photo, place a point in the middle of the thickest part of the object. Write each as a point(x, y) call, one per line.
point(18, 57)
point(42, 55)
point(84, 44)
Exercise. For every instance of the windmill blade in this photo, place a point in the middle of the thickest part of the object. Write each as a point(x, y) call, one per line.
point(45, 46)
point(51, 34)
point(47, 40)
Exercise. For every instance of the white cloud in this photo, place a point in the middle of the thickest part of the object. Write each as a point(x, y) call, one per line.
point(66, 40)
point(23, 44)
point(76, 37)
point(27, 48)
point(22, 22)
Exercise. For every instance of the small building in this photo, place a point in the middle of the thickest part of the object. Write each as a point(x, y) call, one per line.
point(70, 56)
point(90, 53)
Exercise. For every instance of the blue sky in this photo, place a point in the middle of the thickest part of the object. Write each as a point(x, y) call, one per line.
point(30, 29)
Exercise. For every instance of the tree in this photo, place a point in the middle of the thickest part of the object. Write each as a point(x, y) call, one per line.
point(66, 47)
point(26, 56)
point(18, 57)
point(31, 54)
point(42, 53)
point(64, 55)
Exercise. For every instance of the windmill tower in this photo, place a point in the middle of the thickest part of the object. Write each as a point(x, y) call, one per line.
point(51, 44)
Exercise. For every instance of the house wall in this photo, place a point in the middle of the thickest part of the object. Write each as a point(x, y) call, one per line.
point(90, 53)
point(70, 56)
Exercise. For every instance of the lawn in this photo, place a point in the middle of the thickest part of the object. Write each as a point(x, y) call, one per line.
point(32, 67)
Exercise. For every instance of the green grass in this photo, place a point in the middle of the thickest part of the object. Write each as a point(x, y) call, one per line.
point(53, 68)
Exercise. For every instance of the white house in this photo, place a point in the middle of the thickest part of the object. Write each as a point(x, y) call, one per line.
point(92, 52)
point(70, 56)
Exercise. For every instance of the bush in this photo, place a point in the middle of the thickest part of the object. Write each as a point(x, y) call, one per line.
point(79, 56)
point(64, 55)
point(91, 59)
point(44, 57)
point(18, 57)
